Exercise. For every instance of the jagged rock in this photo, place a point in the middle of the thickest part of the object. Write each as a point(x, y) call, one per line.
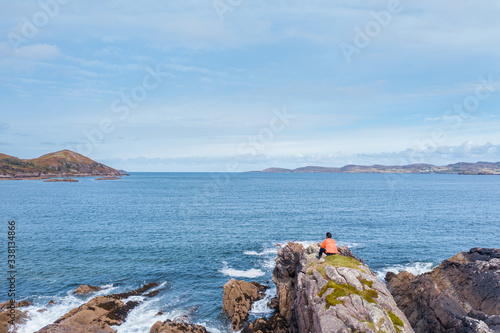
point(275, 324)
point(335, 294)
point(8, 314)
point(284, 276)
point(176, 326)
point(98, 314)
point(238, 299)
point(462, 294)
point(85, 289)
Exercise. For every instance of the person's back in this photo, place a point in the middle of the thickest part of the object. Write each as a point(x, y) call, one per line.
point(328, 247)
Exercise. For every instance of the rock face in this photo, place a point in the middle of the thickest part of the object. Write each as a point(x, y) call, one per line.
point(98, 314)
point(8, 312)
point(176, 326)
point(334, 294)
point(238, 299)
point(462, 294)
point(275, 324)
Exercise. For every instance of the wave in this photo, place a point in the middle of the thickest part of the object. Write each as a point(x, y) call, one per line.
point(144, 316)
point(269, 251)
point(261, 308)
point(42, 314)
point(415, 268)
point(250, 273)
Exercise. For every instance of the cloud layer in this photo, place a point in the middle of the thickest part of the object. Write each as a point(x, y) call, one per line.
point(183, 81)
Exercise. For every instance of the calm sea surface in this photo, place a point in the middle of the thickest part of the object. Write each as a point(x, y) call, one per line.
point(192, 232)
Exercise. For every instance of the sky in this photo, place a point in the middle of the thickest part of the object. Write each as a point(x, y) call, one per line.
point(239, 85)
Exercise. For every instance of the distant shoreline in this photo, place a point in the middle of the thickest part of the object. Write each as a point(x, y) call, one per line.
point(461, 168)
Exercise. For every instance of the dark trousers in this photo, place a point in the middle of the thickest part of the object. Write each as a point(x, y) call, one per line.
point(322, 250)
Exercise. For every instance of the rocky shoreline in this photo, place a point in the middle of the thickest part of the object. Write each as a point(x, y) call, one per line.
point(334, 294)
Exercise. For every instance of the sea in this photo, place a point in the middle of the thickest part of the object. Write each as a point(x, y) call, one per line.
point(192, 232)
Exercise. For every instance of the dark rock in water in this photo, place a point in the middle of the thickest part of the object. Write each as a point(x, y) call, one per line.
point(98, 314)
point(176, 326)
point(85, 289)
point(334, 294)
point(462, 294)
point(238, 299)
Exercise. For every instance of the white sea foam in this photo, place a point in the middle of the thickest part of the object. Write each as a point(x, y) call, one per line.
point(261, 308)
point(349, 245)
point(144, 316)
point(263, 253)
point(40, 315)
point(250, 273)
point(415, 268)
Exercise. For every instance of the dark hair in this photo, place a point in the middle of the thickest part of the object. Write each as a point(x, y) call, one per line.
point(328, 235)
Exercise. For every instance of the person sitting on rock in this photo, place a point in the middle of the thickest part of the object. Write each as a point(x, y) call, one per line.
point(328, 247)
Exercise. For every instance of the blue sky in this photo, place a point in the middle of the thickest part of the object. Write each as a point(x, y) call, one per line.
point(243, 85)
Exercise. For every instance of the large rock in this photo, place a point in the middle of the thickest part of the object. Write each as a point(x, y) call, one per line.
point(98, 314)
point(334, 294)
point(10, 312)
point(176, 326)
point(462, 294)
point(275, 324)
point(285, 276)
point(238, 299)
point(85, 289)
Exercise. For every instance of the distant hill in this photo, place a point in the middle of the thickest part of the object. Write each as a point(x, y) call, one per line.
point(64, 163)
point(479, 168)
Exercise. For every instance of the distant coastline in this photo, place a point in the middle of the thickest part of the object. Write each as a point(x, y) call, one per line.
point(462, 168)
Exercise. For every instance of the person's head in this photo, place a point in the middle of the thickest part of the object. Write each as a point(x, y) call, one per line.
point(328, 235)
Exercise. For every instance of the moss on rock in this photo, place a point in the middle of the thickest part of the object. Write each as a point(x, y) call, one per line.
point(396, 321)
point(343, 290)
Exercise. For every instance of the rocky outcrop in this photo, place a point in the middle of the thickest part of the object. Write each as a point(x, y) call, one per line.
point(462, 294)
point(98, 314)
point(238, 298)
point(334, 294)
point(9, 312)
point(177, 326)
point(85, 289)
point(64, 163)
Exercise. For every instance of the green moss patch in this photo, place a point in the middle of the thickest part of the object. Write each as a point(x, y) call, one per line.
point(342, 290)
point(335, 261)
point(365, 282)
point(396, 321)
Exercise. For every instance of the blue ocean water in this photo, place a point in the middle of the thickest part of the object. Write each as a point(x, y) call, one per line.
point(192, 232)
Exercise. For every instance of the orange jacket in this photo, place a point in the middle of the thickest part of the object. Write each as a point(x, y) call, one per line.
point(330, 245)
